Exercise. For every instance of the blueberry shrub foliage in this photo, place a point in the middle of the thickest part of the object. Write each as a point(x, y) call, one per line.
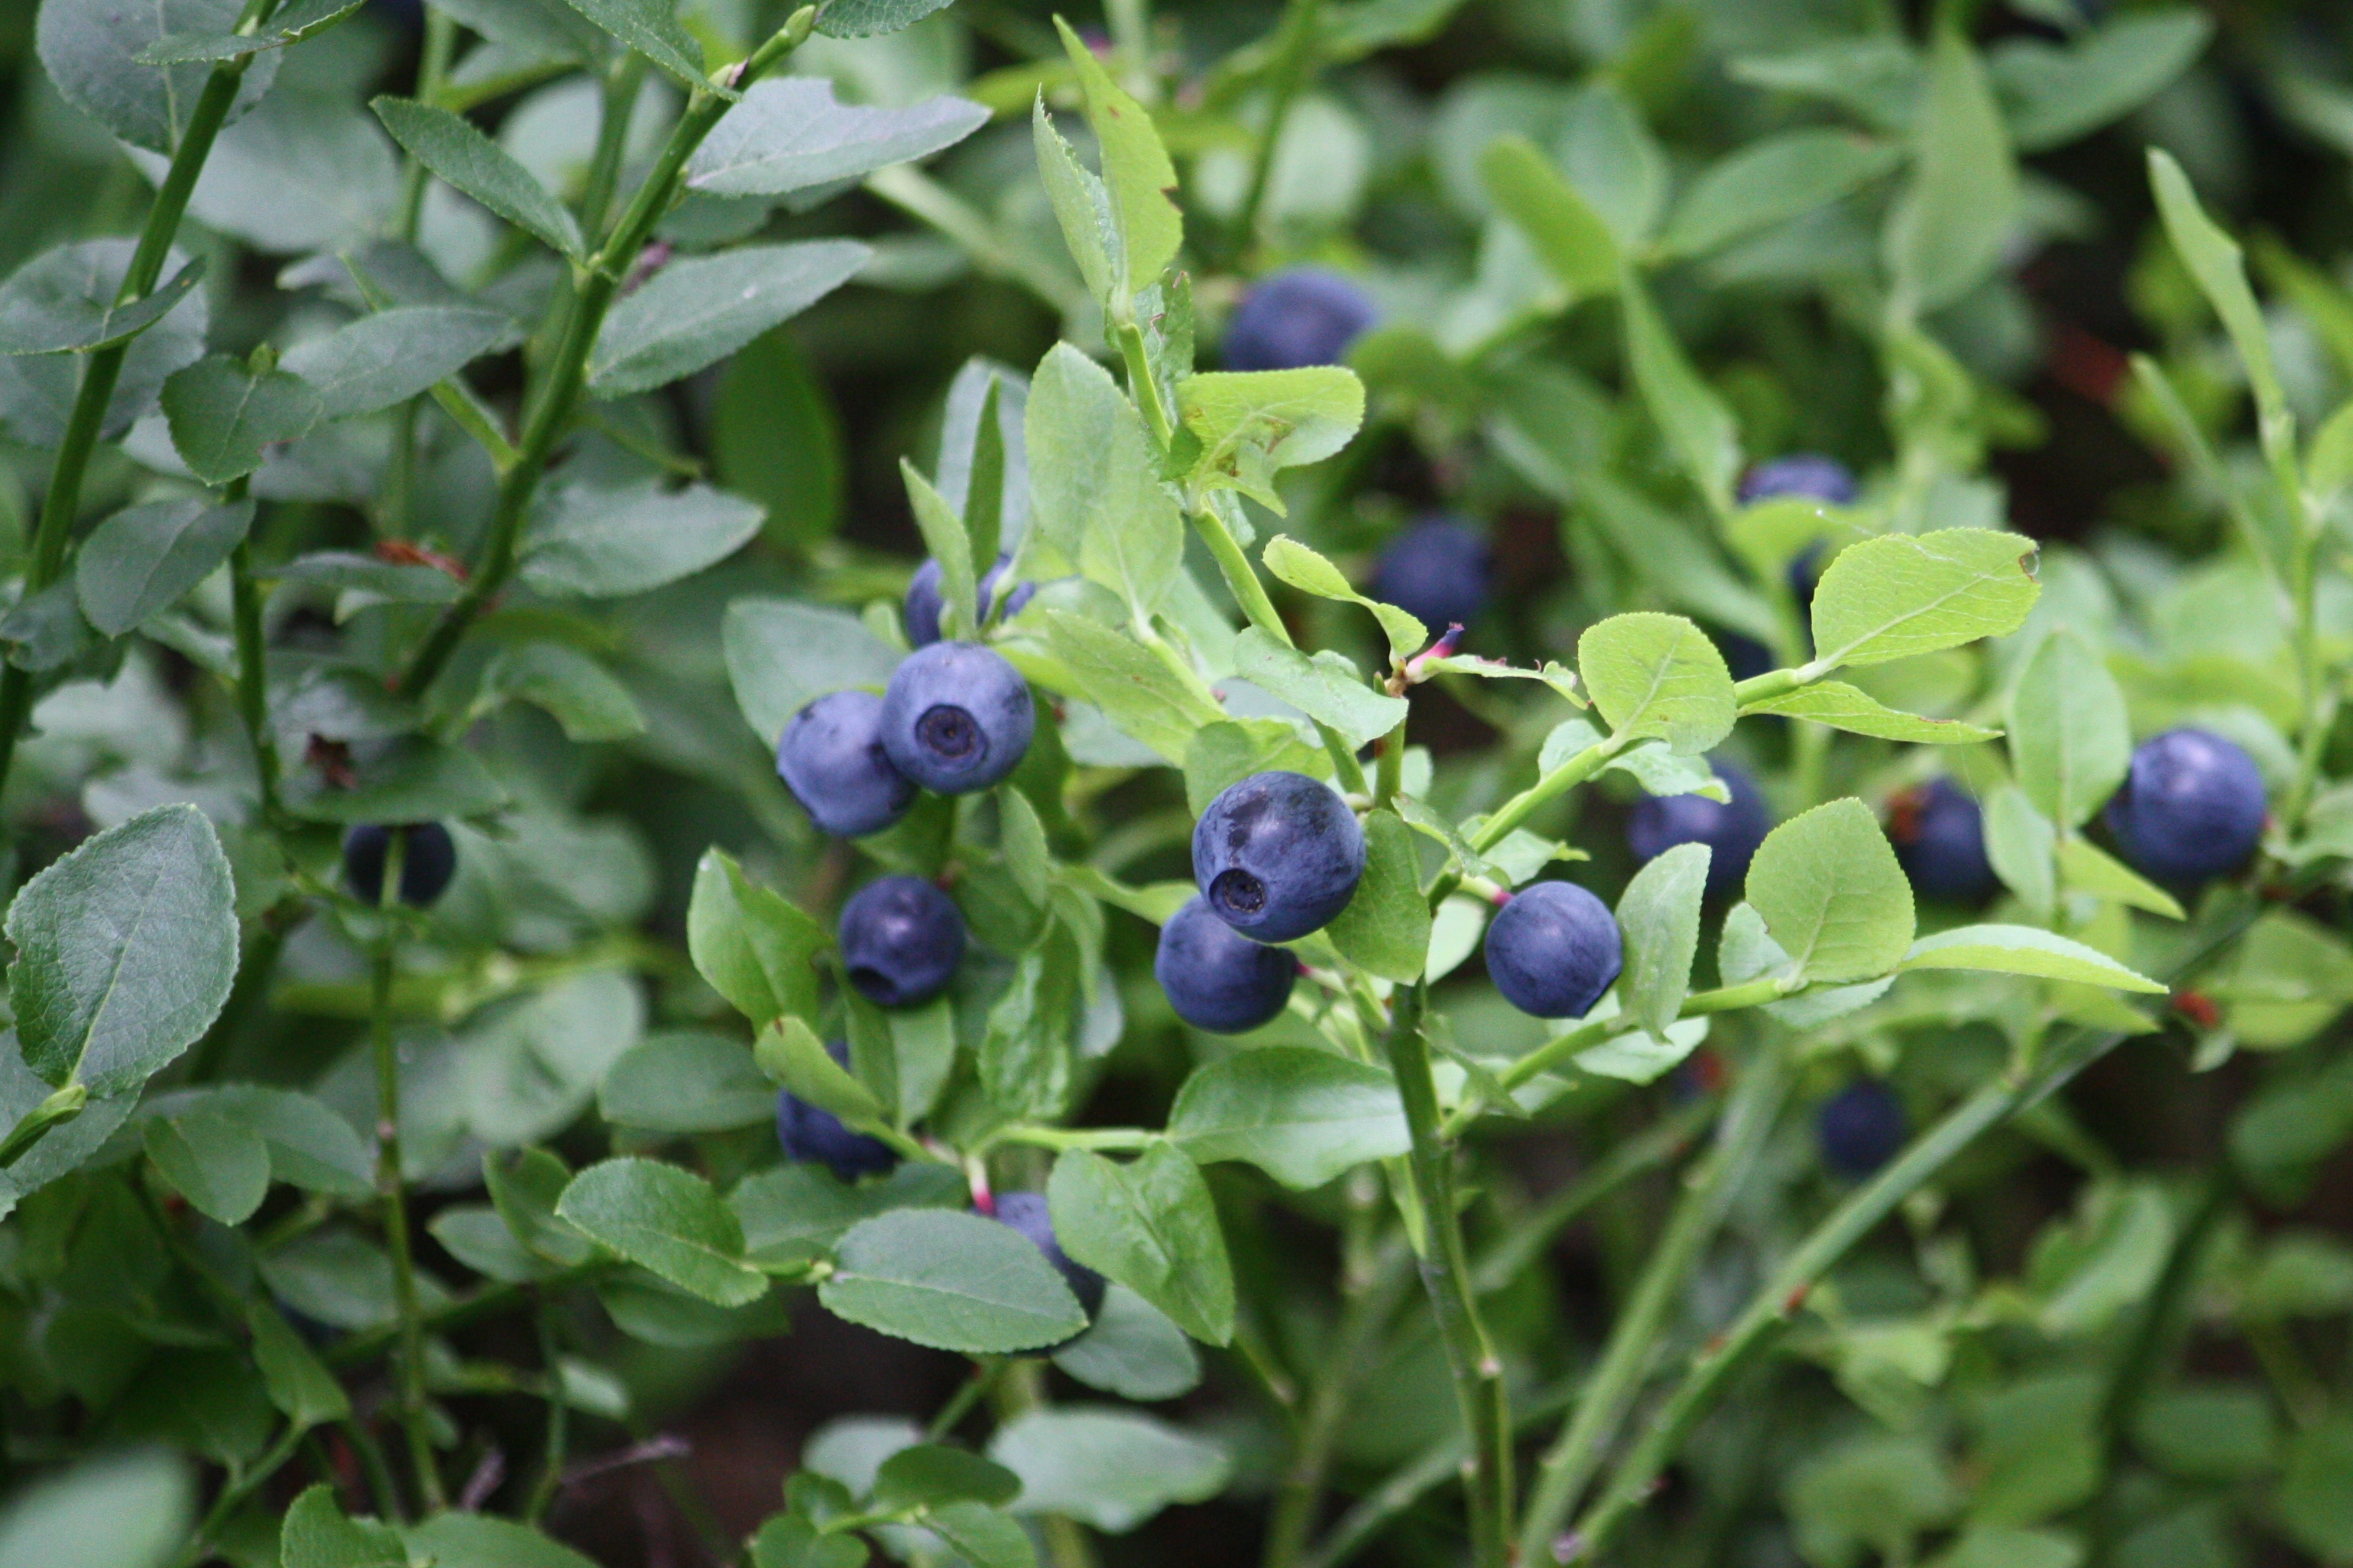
point(1478, 907)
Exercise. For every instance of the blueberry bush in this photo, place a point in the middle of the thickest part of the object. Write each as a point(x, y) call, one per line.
point(1427, 782)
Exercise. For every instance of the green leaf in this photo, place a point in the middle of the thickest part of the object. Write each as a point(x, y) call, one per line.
point(1106, 1468)
point(1905, 593)
point(686, 1081)
point(1831, 894)
point(2288, 981)
point(1148, 700)
point(1252, 424)
point(2313, 1503)
point(777, 438)
point(1096, 488)
point(667, 1220)
point(587, 540)
point(1082, 206)
point(481, 1541)
point(526, 1194)
point(2087, 868)
point(1575, 245)
point(139, 562)
point(651, 27)
point(315, 1534)
point(304, 1390)
point(755, 947)
point(388, 358)
point(1658, 675)
point(413, 780)
point(125, 948)
point(945, 541)
point(1659, 913)
point(1136, 174)
point(1948, 228)
point(1132, 1349)
point(1302, 1116)
point(583, 697)
point(453, 148)
point(1697, 423)
point(699, 310)
point(790, 1053)
point(951, 1281)
point(1026, 1056)
point(220, 1167)
point(931, 1474)
point(2069, 737)
point(2024, 950)
point(2057, 93)
point(62, 302)
point(870, 18)
point(2021, 843)
point(1021, 839)
point(1152, 1227)
point(788, 1540)
point(1772, 181)
point(91, 49)
point(1304, 570)
point(310, 1146)
point(2217, 265)
point(290, 25)
point(1844, 707)
point(223, 416)
point(982, 1536)
point(782, 656)
point(1326, 686)
point(1231, 750)
point(789, 135)
point(123, 1509)
point(1385, 928)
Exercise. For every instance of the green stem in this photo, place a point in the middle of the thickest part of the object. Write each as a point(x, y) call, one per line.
point(1515, 812)
point(1575, 1457)
point(432, 69)
point(1389, 765)
point(392, 1188)
point(622, 81)
point(1294, 62)
point(357, 1349)
point(1366, 1306)
point(960, 1405)
point(253, 675)
point(243, 1484)
point(381, 1484)
point(1023, 1388)
point(559, 1415)
point(41, 1121)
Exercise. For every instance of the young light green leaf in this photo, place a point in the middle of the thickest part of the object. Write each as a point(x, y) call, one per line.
point(453, 148)
point(581, 695)
point(1568, 235)
point(1107, 1468)
point(870, 18)
point(1304, 570)
point(1905, 594)
point(1145, 698)
point(219, 1166)
point(1252, 424)
point(2020, 844)
point(1831, 894)
point(2024, 950)
point(1136, 174)
point(667, 1220)
point(143, 559)
point(63, 301)
point(755, 947)
point(2069, 737)
point(2087, 868)
point(388, 358)
point(1659, 913)
point(1326, 686)
point(694, 312)
point(1772, 181)
point(1384, 930)
point(92, 49)
point(1302, 1116)
point(790, 1054)
point(223, 416)
point(1947, 230)
point(951, 1281)
point(791, 135)
point(1658, 675)
point(600, 543)
point(315, 1534)
point(651, 27)
point(2057, 93)
point(125, 948)
point(1082, 206)
point(1844, 707)
point(1151, 1225)
point(1697, 422)
point(1095, 492)
point(2214, 260)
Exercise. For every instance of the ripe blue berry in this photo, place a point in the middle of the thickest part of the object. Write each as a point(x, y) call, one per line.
point(956, 716)
point(831, 758)
point(1809, 475)
point(1295, 318)
point(1436, 571)
point(1026, 1213)
point(428, 859)
point(811, 1134)
point(2190, 808)
point(923, 599)
point(1861, 1127)
point(902, 939)
point(1732, 829)
point(1939, 838)
point(1553, 949)
point(1277, 855)
point(1218, 979)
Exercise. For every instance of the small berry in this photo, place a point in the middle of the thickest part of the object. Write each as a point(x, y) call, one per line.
point(1217, 978)
point(1732, 829)
point(428, 859)
point(1277, 855)
point(1745, 657)
point(925, 599)
point(2191, 807)
point(956, 716)
point(1296, 318)
point(1809, 475)
point(1553, 949)
point(902, 939)
point(1026, 1213)
point(1939, 838)
point(810, 1135)
point(831, 758)
point(1861, 1127)
point(1435, 572)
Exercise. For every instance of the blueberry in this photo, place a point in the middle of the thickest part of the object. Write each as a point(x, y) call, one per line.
point(1861, 1127)
point(1939, 838)
point(1218, 979)
point(1807, 475)
point(831, 758)
point(1436, 571)
point(1026, 1213)
point(902, 939)
point(1745, 657)
point(812, 1135)
point(923, 599)
point(2191, 807)
point(1294, 319)
point(1732, 829)
point(428, 859)
point(956, 716)
point(1277, 855)
point(1553, 949)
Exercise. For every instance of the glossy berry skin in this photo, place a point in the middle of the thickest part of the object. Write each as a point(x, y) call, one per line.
point(1436, 571)
point(1809, 475)
point(831, 758)
point(925, 599)
point(810, 1135)
point(957, 718)
point(2191, 807)
point(902, 939)
point(1939, 838)
point(1553, 949)
point(1732, 829)
point(1026, 1213)
point(1277, 855)
point(1217, 978)
point(1861, 1127)
point(1296, 318)
point(428, 859)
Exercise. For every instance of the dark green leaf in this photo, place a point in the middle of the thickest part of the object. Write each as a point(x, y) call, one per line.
point(454, 149)
point(1384, 930)
point(702, 310)
point(1302, 1116)
point(1149, 1225)
point(651, 27)
point(953, 1281)
point(1110, 1469)
point(317, 1535)
point(223, 416)
point(219, 1166)
point(789, 135)
point(686, 1082)
point(91, 49)
point(378, 361)
point(931, 1474)
point(290, 25)
point(481, 1541)
point(139, 562)
point(64, 300)
point(1772, 181)
point(412, 781)
point(669, 1221)
point(755, 947)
